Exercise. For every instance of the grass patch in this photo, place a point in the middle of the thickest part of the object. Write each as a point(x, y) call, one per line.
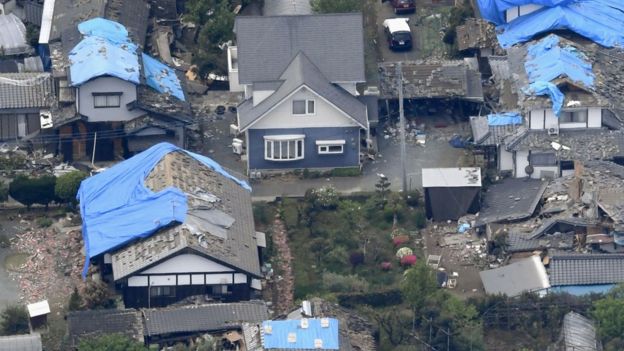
point(346, 172)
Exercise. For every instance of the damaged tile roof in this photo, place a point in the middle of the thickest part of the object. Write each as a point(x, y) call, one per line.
point(203, 318)
point(431, 79)
point(584, 145)
point(511, 199)
point(484, 134)
point(586, 269)
point(26, 90)
point(476, 33)
point(522, 242)
point(234, 245)
point(99, 322)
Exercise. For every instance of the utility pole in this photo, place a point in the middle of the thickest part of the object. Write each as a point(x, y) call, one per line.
point(399, 73)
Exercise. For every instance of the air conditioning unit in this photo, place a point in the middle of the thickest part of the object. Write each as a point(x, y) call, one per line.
point(233, 130)
point(553, 131)
point(237, 148)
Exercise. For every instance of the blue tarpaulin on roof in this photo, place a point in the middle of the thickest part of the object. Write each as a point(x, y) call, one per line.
point(303, 338)
point(547, 88)
point(504, 119)
point(599, 20)
point(116, 206)
point(547, 60)
point(104, 28)
point(103, 51)
point(161, 77)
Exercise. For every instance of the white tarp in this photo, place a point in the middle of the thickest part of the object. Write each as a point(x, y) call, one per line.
point(13, 36)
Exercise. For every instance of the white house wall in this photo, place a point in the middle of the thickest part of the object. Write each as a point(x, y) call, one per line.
point(325, 115)
point(522, 160)
point(551, 120)
point(594, 117)
point(232, 57)
point(536, 119)
point(187, 263)
point(505, 161)
point(109, 114)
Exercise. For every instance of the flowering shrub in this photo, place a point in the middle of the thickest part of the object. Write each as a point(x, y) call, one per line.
point(408, 260)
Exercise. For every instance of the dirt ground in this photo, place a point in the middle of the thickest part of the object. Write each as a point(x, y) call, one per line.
point(460, 254)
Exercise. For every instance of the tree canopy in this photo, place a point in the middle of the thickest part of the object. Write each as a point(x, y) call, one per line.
point(67, 185)
point(336, 6)
point(110, 342)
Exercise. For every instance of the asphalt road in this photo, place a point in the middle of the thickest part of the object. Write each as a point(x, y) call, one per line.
point(384, 12)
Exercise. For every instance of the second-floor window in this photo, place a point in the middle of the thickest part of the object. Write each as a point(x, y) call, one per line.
point(303, 107)
point(576, 116)
point(105, 100)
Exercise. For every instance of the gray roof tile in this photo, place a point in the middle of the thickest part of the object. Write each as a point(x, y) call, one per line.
point(586, 269)
point(267, 44)
point(511, 199)
point(301, 71)
point(286, 7)
point(203, 318)
point(26, 90)
point(26, 342)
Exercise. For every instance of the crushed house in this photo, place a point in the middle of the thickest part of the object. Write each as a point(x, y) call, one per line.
point(301, 107)
point(567, 107)
point(113, 100)
point(25, 101)
point(187, 230)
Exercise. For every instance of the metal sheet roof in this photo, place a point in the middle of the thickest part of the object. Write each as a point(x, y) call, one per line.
point(286, 7)
point(27, 342)
point(301, 334)
point(578, 333)
point(13, 35)
point(451, 177)
point(516, 278)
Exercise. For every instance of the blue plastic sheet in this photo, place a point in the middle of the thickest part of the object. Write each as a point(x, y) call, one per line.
point(304, 338)
point(547, 88)
point(103, 51)
point(547, 60)
point(161, 77)
point(598, 20)
point(104, 28)
point(117, 207)
point(504, 119)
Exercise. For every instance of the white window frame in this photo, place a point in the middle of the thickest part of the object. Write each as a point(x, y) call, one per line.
point(307, 107)
point(323, 147)
point(282, 144)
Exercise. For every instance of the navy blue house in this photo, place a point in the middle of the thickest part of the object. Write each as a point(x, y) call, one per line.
point(300, 109)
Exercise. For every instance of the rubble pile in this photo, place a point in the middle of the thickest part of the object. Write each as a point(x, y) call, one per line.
point(284, 282)
point(54, 265)
point(419, 133)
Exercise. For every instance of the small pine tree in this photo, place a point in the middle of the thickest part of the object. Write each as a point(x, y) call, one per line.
point(14, 320)
point(382, 187)
point(75, 301)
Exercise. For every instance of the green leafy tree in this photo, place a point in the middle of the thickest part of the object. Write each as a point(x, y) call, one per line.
point(609, 312)
point(67, 185)
point(31, 191)
point(336, 6)
point(418, 285)
point(14, 320)
point(110, 342)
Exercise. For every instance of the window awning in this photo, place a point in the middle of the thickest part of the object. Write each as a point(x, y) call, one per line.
point(330, 142)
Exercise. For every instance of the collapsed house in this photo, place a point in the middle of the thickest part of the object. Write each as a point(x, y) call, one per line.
point(167, 224)
point(112, 100)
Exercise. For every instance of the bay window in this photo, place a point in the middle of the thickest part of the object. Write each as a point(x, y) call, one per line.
point(283, 147)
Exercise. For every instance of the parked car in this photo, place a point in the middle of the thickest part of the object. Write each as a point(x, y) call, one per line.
point(402, 6)
point(398, 33)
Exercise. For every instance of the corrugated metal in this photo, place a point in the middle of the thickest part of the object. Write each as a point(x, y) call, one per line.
point(28, 342)
point(13, 35)
point(287, 7)
point(33, 11)
point(290, 334)
point(578, 333)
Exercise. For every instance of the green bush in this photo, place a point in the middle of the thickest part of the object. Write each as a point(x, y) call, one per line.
point(323, 198)
point(262, 212)
point(110, 342)
point(97, 295)
point(413, 198)
point(375, 299)
point(31, 191)
point(67, 185)
point(290, 213)
point(75, 301)
point(388, 214)
point(420, 219)
point(14, 320)
point(345, 172)
point(344, 283)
